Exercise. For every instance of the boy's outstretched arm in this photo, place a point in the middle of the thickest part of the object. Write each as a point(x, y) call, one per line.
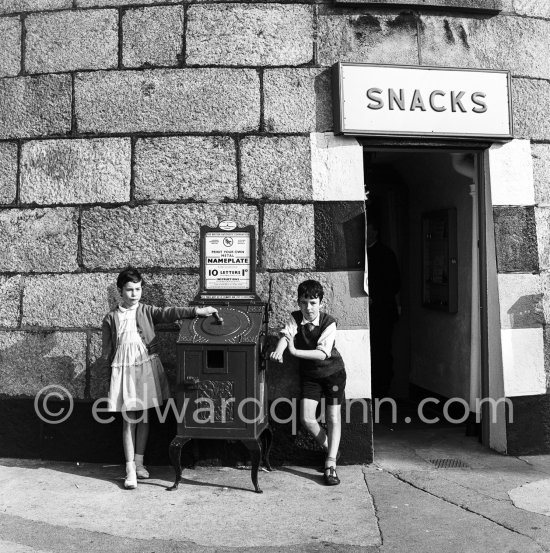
point(313, 354)
point(277, 355)
point(325, 343)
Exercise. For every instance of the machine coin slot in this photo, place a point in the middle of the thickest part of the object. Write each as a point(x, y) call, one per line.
point(215, 359)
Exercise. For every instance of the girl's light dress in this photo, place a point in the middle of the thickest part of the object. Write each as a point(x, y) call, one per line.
point(137, 377)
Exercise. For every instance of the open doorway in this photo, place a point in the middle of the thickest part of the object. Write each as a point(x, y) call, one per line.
point(424, 207)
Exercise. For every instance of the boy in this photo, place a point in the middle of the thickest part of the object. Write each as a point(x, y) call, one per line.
point(309, 335)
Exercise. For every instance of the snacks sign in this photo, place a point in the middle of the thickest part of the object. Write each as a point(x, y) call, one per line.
point(421, 101)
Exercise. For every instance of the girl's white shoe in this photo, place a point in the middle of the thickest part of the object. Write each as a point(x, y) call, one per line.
point(130, 483)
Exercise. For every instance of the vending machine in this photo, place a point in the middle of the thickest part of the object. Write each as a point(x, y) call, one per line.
point(220, 383)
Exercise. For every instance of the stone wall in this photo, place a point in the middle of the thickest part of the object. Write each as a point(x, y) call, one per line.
point(126, 124)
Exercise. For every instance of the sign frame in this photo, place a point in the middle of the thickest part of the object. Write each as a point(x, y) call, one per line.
point(231, 233)
point(338, 111)
point(472, 6)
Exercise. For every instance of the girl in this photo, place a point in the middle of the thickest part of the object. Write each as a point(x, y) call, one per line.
point(138, 381)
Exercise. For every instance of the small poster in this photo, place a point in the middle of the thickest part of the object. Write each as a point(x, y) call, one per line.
point(227, 260)
point(439, 260)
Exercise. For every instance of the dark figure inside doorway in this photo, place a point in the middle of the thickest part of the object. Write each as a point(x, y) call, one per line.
point(384, 284)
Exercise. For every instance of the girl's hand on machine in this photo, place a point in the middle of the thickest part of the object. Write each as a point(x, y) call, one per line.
point(206, 311)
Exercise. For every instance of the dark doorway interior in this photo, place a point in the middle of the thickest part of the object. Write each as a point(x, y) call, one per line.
point(412, 195)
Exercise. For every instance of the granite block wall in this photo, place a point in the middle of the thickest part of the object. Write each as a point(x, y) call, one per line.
point(520, 229)
point(126, 124)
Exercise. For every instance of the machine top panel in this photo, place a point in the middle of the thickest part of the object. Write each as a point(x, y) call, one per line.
point(240, 324)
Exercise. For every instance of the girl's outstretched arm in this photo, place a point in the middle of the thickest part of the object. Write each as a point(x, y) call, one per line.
point(205, 311)
point(172, 314)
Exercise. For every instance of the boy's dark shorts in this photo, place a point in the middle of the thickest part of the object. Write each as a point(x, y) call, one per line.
point(332, 387)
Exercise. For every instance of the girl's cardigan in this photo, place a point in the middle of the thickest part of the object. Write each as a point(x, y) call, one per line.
point(146, 318)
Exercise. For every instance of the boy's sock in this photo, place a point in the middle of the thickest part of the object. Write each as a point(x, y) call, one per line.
point(330, 462)
point(138, 459)
point(338, 454)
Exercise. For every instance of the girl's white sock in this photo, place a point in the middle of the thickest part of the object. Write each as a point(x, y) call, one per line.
point(130, 482)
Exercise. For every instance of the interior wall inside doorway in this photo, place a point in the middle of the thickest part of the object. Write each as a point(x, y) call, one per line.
point(431, 349)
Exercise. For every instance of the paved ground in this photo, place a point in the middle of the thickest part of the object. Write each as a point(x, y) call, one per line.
point(493, 504)
point(87, 506)
point(401, 503)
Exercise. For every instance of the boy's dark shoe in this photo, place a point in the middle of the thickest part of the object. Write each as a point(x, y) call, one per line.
point(330, 477)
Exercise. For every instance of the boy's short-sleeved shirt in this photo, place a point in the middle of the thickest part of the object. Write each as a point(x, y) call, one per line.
point(325, 343)
point(318, 334)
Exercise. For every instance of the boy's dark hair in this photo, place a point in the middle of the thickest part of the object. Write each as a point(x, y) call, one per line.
point(128, 275)
point(310, 289)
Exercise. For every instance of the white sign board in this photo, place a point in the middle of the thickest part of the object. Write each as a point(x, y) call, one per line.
point(227, 260)
point(421, 101)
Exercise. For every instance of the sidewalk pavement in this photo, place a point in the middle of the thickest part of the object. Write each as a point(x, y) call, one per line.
point(495, 503)
point(53, 506)
point(401, 503)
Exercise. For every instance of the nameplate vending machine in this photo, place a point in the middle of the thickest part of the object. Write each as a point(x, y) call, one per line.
point(220, 383)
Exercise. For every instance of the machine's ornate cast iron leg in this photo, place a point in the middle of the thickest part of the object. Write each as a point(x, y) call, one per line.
point(175, 459)
point(267, 440)
point(255, 449)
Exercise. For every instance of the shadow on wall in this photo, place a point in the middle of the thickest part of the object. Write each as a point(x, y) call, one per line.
point(113, 296)
point(323, 101)
point(282, 378)
point(29, 361)
point(340, 235)
point(527, 312)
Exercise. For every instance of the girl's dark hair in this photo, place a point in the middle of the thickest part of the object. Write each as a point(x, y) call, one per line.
point(310, 289)
point(128, 275)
